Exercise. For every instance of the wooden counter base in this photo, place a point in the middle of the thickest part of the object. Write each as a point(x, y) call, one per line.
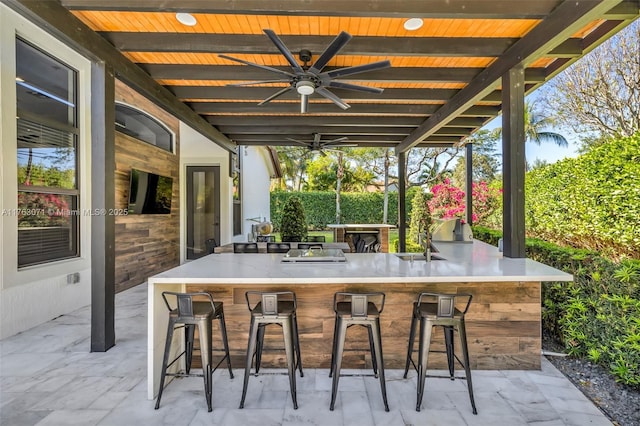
point(503, 324)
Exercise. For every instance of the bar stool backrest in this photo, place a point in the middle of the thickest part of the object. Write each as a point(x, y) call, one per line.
point(184, 302)
point(315, 239)
point(245, 247)
point(446, 303)
point(360, 302)
point(278, 247)
point(211, 245)
point(268, 301)
point(290, 238)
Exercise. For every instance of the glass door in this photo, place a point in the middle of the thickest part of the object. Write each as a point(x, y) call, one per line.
point(203, 209)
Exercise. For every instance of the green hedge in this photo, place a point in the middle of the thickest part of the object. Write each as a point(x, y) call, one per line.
point(592, 201)
point(597, 316)
point(320, 207)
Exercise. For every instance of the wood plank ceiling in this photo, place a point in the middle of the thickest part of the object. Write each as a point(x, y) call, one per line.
point(443, 83)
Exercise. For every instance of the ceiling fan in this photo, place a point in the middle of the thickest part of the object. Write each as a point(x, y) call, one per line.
point(317, 144)
point(305, 79)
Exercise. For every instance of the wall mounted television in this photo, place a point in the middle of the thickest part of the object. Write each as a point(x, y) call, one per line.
point(149, 193)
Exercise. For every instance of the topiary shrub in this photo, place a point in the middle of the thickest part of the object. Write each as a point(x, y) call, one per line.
point(293, 223)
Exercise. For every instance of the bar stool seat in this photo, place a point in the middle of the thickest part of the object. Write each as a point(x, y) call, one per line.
point(188, 314)
point(361, 309)
point(273, 308)
point(437, 309)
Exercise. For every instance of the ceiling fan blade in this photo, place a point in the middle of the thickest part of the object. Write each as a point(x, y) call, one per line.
point(331, 50)
point(333, 98)
point(338, 140)
point(275, 95)
point(283, 49)
point(306, 144)
point(341, 72)
point(304, 103)
point(251, 83)
point(253, 64)
point(357, 87)
point(344, 145)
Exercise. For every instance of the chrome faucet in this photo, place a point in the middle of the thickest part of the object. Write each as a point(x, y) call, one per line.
point(425, 241)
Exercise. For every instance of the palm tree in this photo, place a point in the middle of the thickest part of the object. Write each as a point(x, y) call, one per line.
point(535, 125)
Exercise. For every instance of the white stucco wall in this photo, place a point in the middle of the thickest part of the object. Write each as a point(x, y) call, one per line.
point(32, 295)
point(256, 180)
point(197, 150)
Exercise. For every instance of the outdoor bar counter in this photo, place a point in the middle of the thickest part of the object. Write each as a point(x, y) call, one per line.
point(503, 323)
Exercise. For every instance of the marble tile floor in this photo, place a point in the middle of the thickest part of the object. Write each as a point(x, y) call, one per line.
point(49, 377)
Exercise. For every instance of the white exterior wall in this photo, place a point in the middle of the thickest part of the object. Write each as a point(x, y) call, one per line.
point(256, 181)
point(35, 294)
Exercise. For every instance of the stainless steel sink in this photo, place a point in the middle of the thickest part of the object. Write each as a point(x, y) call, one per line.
point(418, 257)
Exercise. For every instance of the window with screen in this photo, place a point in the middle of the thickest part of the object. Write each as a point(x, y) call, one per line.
point(47, 156)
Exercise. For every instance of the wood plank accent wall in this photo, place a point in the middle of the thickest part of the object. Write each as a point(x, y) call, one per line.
point(145, 244)
point(503, 324)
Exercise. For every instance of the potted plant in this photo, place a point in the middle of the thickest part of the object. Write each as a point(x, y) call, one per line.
point(293, 226)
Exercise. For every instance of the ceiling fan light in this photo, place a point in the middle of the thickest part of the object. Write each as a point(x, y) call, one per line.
point(186, 19)
point(305, 87)
point(413, 24)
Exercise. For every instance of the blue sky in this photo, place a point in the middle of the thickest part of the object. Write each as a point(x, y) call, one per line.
point(548, 152)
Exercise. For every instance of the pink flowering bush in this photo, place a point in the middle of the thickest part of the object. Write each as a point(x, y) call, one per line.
point(448, 201)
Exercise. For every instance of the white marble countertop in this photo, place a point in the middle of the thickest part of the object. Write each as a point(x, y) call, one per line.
point(477, 262)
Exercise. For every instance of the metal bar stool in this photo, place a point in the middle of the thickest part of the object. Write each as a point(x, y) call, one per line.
point(273, 308)
point(362, 309)
point(436, 309)
point(245, 247)
point(278, 247)
point(188, 314)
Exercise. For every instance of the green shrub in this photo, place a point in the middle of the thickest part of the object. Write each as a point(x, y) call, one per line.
point(592, 201)
point(356, 207)
point(597, 316)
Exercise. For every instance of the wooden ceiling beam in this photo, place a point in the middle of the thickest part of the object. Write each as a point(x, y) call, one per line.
point(257, 93)
point(334, 121)
point(215, 108)
point(285, 131)
point(564, 21)
point(462, 9)
point(261, 45)
point(395, 74)
point(627, 9)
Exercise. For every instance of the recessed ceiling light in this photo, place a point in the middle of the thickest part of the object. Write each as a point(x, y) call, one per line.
point(412, 24)
point(187, 19)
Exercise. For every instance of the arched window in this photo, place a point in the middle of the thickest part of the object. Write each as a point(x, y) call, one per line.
point(142, 126)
